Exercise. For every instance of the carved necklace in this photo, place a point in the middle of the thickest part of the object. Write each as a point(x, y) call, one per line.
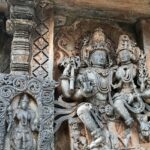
point(102, 87)
point(100, 71)
point(128, 76)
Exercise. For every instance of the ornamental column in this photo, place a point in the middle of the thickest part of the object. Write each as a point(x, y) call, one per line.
point(20, 25)
point(143, 31)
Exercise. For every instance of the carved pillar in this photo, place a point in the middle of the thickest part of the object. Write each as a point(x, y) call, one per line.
point(21, 22)
point(143, 30)
point(42, 59)
point(20, 83)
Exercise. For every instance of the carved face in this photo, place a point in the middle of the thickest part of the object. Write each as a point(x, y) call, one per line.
point(24, 105)
point(124, 56)
point(99, 58)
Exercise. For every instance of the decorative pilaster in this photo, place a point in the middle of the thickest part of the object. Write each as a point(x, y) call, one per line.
point(43, 57)
point(20, 24)
point(143, 30)
point(37, 133)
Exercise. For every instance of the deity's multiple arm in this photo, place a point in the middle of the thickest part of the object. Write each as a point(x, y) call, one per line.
point(83, 89)
point(70, 77)
point(128, 81)
point(65, 82)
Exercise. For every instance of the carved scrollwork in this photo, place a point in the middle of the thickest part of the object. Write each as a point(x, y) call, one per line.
point(47, 97)
point(12, 86)
point(34, 86)
point(7, 91)
point(20, 84)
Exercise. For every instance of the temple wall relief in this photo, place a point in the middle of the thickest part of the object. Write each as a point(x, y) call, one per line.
point(104, 86)
point(77, 81)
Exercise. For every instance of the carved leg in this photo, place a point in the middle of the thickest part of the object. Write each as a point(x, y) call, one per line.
point(84, 113)
point(121, 109)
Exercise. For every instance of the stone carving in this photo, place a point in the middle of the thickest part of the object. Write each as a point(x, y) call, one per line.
point(21, 136)
point(42, 92)
point(78, 138)
point(40, 59)
point(20, 25)
point(125, 74)
point(131, 91)
point(23, 127)
point(93, 84)
point(103, 92)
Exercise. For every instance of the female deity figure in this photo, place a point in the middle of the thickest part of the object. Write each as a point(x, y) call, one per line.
point(90, 86)
point(22, 127)
point(127, 97)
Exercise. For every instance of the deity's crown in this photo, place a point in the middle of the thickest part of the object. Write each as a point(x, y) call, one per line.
point(125, 43)
point(99, 41)
point(25, 98)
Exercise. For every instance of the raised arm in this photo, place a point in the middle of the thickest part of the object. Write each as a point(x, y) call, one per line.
point(68, 77)
point(65, 82)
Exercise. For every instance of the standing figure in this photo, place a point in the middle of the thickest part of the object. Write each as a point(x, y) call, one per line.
point(21, 136)
point(127, 75)
point(89, 84)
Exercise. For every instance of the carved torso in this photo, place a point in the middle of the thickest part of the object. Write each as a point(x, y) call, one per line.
point(99, 79)
point(23, 116)
point(126, 74)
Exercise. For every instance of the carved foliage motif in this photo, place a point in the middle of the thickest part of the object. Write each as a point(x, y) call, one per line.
point(42, 92)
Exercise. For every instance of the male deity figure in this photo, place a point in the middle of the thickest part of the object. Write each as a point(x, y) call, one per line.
point(90, 85)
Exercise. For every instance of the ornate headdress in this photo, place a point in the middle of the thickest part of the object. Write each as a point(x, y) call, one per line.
point(98, 41)
point(125, 43)
point(25, 98)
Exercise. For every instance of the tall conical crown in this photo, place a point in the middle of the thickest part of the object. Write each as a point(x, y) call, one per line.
point(125, 44)
point(98, 41)
point(25, 98)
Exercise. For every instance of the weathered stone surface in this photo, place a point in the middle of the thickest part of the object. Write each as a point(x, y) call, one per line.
point(104, 92)
point(79, 104)
point(143, 29)
point(120, 10)
point(5, 49)
point(3, 6)
point(42, 48)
